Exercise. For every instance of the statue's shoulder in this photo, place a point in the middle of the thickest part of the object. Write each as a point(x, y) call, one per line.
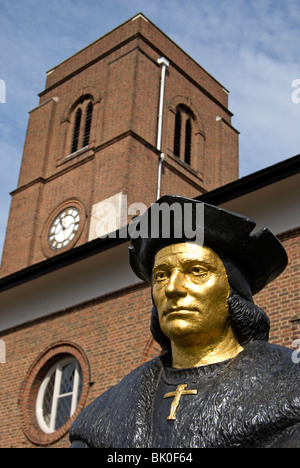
point(121, 399)
point(132, 381)
point(271, 351)
point(270, 361)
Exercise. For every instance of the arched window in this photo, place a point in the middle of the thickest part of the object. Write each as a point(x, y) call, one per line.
point(82, 125)
point(59, 394)
point(54, 392)
point(183, 134)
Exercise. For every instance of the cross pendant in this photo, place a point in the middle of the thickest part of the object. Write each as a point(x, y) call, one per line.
point(180, 390)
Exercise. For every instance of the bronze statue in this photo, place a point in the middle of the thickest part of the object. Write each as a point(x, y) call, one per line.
point(219, 383)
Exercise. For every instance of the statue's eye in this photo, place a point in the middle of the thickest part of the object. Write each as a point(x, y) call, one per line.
point(196, 270)
point(160, 275)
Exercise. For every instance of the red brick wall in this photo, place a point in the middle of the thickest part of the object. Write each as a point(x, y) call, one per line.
point(281, 298)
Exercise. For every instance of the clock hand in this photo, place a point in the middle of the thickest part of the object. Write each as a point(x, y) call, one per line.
point(63, 224)
point(67, 227)
point(57, 231)
point(62, 227)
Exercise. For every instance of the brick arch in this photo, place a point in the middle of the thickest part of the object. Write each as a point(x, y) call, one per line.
point(88, 92)
point(187, 102)
point(84, 94)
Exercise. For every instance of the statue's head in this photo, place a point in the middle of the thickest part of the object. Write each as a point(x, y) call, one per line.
point(204, 266)
point(190, 291)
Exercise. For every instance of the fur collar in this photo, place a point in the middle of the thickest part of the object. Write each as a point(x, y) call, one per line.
point(253, 402)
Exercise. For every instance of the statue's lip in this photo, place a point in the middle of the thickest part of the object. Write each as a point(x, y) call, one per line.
point(182, 309)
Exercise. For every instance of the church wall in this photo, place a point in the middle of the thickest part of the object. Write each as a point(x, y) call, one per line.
point(124, 35)
point(98, 275)
point(226, 168)
point(21, 229)
point(37, 143)
point(281, 298)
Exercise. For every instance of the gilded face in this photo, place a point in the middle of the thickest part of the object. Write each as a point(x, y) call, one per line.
point(190, 291)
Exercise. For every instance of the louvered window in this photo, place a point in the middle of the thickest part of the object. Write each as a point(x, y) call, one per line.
point(82, 125)
point(183, 134)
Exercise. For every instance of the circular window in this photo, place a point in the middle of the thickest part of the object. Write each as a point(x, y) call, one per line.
point(59, 395)
point(54, 392)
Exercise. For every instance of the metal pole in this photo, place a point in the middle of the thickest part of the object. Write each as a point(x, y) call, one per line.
point(164, 64)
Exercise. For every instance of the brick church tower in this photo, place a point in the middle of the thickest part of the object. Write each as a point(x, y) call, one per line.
point(104, 119)
point(129, 117)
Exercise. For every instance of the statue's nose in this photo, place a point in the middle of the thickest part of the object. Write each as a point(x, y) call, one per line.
point(176, 286)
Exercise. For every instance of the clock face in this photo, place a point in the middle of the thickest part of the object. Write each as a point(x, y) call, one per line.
point(64, 228)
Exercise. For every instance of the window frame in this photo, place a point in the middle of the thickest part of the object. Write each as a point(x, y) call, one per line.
point(57, 368)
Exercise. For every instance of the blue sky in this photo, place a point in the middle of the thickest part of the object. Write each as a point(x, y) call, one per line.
point(250, 46)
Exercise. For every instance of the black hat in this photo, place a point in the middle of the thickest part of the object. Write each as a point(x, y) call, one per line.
point(251, 260)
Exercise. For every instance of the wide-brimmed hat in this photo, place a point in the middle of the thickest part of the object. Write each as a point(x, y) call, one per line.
point(252, 259)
